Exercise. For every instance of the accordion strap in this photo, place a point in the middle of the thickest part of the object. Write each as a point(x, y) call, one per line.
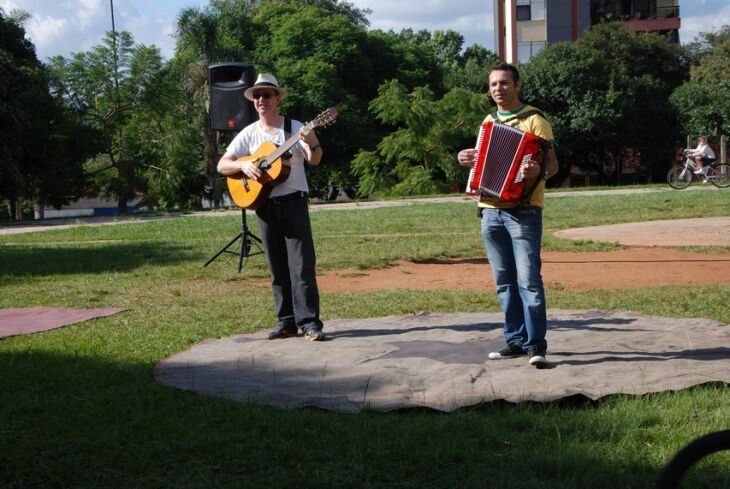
point(521, 115)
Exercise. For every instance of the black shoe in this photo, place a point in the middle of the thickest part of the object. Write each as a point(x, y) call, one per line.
point(512, 351)
point(536, 355)
point(314, 334)
point(282, 332)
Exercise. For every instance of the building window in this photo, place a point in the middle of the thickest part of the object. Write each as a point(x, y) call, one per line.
point(537, 9)
point(526, 50)
point(530, 9)
point(523, 12)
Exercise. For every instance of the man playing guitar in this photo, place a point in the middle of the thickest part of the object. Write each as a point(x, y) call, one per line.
point(283, 219)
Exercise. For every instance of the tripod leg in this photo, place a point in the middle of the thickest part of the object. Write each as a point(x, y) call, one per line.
point(248, 240)
point(224, 249)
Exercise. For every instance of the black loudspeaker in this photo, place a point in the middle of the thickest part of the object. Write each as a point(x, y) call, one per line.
point(229, 109)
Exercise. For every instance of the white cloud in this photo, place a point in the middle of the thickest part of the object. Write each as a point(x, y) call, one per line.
point(710, 22)
point(9, 5)
point(153, 28)
point(46, 31)
point(87, 11)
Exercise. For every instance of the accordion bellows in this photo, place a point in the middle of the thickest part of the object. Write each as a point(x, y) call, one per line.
point(502, 153)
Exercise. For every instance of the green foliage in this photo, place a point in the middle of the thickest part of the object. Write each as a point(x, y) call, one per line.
point(42, 143)
point(471, 72)
point(605, 96)
point(703, 102)
point(418, 156)
point(119, 88)
point(451, 66)
point(326, 59)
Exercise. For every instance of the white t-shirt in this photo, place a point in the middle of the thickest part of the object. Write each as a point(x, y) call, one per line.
point(703, 150)
point(252, 136)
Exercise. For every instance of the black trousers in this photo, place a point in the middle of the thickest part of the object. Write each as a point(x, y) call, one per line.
point(286, 233)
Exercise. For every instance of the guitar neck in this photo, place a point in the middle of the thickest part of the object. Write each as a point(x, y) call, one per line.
point(286, 146)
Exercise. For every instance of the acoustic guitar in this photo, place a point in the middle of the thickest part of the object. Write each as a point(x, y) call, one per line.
point(250, 194)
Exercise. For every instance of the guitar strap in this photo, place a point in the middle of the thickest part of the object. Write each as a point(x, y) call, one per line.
point(287, 135)
point(287, 128)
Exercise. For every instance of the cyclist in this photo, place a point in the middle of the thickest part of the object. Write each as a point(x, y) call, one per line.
point(702, 154)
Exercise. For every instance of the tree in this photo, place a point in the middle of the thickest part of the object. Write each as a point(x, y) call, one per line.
point(703, 102)
point(418, 156)
point(605, 95)
point(19, 73)
point(321, 51)
point(219, 33)
point(42, 145)
point(106, 85)
point(329, 59)
point(165, 140)
point(472, 71)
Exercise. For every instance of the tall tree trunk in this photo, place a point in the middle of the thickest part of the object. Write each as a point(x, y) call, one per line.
point(127, 174)
point(11, 208)
point(17, 209)
point(211, 164)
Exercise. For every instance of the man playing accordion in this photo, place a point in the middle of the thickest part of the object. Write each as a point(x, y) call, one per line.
point(512, 231)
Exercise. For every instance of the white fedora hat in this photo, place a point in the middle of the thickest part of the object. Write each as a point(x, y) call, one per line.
point(265, 80)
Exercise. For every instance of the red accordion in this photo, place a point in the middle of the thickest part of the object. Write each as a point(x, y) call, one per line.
point(502, 153)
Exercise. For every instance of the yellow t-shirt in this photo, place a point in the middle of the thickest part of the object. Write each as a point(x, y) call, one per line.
point(534, 124)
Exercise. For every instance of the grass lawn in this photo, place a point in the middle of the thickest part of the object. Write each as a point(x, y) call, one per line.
point(79, 406)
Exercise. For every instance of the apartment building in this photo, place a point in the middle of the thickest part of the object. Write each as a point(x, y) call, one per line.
point(523, 27)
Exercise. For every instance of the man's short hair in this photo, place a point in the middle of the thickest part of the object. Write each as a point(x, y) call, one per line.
point(507, 67)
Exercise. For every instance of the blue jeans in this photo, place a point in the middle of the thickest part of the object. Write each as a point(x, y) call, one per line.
point(512, 238)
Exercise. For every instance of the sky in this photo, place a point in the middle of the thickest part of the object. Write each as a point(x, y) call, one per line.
point(63, 27)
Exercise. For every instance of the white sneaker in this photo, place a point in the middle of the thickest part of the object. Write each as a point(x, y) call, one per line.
point(701, 170)
point(537, 358)
point(512, 351)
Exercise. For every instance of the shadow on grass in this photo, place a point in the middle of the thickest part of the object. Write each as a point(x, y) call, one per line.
point(116, 257)
point(75, 421)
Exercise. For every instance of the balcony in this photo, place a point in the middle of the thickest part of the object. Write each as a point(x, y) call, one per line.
point(658, 19)
point(652, 24)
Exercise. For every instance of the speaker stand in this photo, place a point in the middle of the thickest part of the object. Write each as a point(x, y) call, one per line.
point(248, 241)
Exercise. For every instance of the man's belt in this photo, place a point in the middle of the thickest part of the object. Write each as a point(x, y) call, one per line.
point(286, 198)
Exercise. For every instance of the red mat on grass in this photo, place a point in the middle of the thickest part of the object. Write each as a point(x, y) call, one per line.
point(28, 320)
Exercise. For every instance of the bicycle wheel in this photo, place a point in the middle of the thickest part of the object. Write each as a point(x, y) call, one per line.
point(679, 177)
point(719, 175)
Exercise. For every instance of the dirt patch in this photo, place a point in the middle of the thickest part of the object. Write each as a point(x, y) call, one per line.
point(628, 268)
point(648, 262)
point(708, 231)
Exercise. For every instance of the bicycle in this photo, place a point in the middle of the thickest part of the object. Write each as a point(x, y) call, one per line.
point(681, 176)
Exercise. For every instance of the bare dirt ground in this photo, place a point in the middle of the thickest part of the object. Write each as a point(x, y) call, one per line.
point(628, 268)
point(648, 260)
